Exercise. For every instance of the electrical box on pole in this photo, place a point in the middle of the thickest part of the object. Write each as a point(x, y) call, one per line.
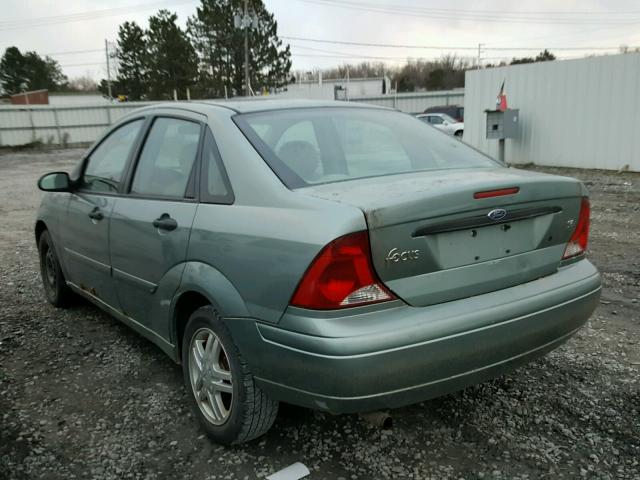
point(502, 124)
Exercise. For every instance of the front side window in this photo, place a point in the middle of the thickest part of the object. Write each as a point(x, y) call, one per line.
point(434, 120)
point(105, 167)
point(167, 158)
point(308, 146)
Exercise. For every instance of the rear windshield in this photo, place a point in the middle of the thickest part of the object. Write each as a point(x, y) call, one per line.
point(322, 145)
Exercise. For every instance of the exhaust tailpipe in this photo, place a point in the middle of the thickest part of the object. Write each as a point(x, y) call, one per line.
point(378, 419)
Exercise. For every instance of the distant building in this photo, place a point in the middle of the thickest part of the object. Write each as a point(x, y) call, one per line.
point(43, 97)
point(35, 97)
point(77, 98)
point(336, 89)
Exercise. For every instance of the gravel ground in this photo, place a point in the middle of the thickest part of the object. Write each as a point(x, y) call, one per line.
point(81, 396)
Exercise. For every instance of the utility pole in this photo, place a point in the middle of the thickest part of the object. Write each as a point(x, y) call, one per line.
point(480, 45)
point(247, 88)
point(347, 95)
point(246, 21)
point(106, 52)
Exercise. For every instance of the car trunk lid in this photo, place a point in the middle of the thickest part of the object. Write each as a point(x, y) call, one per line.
point(433, 241)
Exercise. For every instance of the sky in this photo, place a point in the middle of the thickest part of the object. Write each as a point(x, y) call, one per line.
point(446, 26)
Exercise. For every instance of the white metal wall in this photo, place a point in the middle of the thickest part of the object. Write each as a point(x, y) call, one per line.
point(325, 91)
point(307, 90)
point(20, 125)
point(581, 113)
point(77, 99)
point(415, 102)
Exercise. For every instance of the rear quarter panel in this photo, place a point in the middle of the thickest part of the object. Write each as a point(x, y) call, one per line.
point(263, 251)
point(264, 242)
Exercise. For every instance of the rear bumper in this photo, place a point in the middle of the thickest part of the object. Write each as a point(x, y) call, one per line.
point(401, 355)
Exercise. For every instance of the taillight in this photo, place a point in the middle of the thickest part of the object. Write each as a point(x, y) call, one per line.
point(341, 276)
point(578, 241)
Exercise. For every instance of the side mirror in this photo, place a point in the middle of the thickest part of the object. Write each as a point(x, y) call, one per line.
point(55, 182)
point(445, 123)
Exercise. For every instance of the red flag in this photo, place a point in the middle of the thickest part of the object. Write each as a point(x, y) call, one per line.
point(501, 100)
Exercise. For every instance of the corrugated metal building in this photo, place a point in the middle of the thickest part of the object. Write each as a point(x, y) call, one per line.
point(575, 113)
point(322, 89)
point(35, 97)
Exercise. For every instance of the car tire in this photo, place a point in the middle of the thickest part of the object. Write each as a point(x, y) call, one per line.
point(459, 133)
point(55, 286)
point(225, 399)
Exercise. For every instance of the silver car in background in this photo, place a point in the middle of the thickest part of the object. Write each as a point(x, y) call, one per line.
point(443, 122)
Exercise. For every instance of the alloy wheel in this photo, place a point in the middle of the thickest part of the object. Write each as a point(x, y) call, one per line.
point(210, 375)
point(50, 268)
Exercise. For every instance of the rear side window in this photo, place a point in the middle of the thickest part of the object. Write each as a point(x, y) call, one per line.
point(107, 162)
point(309, 146)
point(167, 159)
point(215, 186)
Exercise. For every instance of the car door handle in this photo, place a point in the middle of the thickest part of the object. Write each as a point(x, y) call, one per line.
point(165, 222)
point(96, 214)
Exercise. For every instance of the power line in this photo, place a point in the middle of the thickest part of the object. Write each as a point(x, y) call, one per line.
point(484, 11)
point(337, 54)
point(320, 50)
point(353, 57)
point(82, 64)
point(398, 58)
point(472, 16)
point(72, 52)
point(85, 16)
point(363, 44)
point(441, 47)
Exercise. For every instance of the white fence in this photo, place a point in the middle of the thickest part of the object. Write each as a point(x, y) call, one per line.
point(59, 125)
point(575, 113)
point(415, 102)
point(62, 125)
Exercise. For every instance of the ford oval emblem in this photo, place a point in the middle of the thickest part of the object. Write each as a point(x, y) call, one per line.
point(497, 214)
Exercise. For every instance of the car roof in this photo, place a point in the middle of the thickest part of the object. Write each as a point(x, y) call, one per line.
point(259, 104)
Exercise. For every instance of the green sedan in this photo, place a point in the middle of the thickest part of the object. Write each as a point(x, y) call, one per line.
point(341, 257)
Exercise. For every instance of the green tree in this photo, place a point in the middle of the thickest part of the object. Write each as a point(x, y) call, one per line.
point(172, 59)
point(43, 73)
point(522, 60)
point(435, 79)
point(29, 71)
point(220, 48)
point(360, 70)
point(103, 88)
point(270, 61)
point(12, 75)
point(132, 62)
point(210, 31)
point(543, 56)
